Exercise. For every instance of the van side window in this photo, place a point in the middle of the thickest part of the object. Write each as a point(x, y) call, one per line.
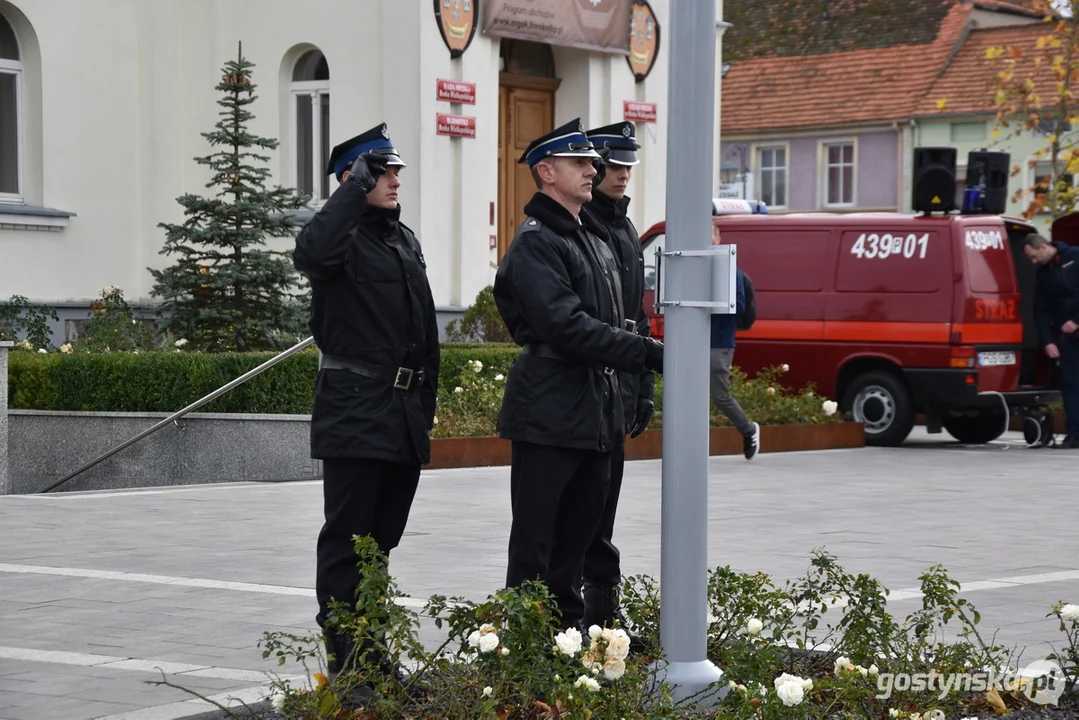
point(649, 251)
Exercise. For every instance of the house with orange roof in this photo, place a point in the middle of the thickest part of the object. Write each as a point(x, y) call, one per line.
point(959, 110)
point(819, 96)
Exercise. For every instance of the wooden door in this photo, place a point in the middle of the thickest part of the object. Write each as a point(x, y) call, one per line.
point(526, 111)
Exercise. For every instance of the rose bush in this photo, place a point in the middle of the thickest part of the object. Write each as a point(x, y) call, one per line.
point(820, 646)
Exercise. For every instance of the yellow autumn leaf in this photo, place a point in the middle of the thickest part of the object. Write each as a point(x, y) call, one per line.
point(993, 698)
point(993, 53)
point(321, 679)
point(999, 97)
point(996, 132)
point(941, 103)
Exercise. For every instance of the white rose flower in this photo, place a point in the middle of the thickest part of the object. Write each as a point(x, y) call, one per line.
point(595, 631)
point(864, 672)
point(807, 684)
point(874, 670)
point(278, 700)
point(43, 350)
point(842, 661)
point(488, 642)
point(587, 682)
point(1070, 613)
point(754, 626)
point(181, 342)
point(477, 365)
point(568, 642)
point(500, 377)
point(474, 639)
point(771, 391)
point(785, 367)
point(436, 419)
point(505, 651)
point(614, 669)
point(65, 348)
point(791, 693)
point(458, 389)
point(487, 628)
point(893, 713)
point(618, 645)
point(829, 407)
point(488, 691)
point(934, 715)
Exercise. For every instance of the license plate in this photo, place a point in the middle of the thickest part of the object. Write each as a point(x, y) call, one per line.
point(991, 359)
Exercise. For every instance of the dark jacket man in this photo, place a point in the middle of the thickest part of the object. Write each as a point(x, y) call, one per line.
point(617, 147)
point(558, 291)
point(373, 318)
point(1056, 312)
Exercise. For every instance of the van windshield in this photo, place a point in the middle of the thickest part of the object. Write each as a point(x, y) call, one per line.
point(988, 260)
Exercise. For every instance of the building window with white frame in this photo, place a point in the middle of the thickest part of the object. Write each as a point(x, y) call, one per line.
point(11, 150)
point(1041, 179)
point(772, 162)
point(839, 174)
point(310, 111)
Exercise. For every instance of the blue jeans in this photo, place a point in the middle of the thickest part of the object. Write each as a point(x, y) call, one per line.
point(1069, 382)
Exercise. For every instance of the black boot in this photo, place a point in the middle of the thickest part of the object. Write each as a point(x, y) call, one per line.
point(601, 607)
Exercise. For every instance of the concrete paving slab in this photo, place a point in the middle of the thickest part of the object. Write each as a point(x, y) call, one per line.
point(96, 586)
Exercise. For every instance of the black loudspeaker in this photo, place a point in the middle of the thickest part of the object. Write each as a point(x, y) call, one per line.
point(987, 170)
point(934, 179)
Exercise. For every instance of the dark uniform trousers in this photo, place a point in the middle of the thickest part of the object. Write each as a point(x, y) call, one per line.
point(353, 490)
point(546, 483)
point(602, 563)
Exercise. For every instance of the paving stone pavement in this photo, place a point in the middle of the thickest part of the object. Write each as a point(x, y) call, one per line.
point(98, 590)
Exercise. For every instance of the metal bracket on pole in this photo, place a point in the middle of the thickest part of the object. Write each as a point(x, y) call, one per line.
point(724, 289)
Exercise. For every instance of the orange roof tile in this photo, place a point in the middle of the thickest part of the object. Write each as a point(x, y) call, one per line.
point(970, 81)
point(841, 88)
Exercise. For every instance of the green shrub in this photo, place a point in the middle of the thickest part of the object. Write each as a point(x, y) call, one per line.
point(168, 380)
point(481, 322)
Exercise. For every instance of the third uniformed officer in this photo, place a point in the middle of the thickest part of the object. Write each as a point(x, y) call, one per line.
point(558, 291)
point(373, 318)
point(617, 148)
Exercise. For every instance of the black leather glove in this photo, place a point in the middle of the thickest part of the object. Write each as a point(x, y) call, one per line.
point(645, 410)
point(366, 169)
point(653, 359)
point(600, 164)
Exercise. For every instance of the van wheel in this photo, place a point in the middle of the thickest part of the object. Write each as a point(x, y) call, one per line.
point(976, 428)
point(881, 402)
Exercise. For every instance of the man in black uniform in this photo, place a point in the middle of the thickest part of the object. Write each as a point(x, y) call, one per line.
point(617, 148)
point(373, 318)
point(558, 291)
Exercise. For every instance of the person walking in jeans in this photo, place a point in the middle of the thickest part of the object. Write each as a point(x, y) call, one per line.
point(722, 356)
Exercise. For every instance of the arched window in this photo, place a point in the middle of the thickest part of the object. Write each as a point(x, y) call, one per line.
point(11, 140)
point(310, 111)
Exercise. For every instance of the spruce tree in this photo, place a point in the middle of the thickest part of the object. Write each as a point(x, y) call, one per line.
point(226, 291)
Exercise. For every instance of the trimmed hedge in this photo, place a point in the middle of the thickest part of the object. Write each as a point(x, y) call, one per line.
point(168, 381)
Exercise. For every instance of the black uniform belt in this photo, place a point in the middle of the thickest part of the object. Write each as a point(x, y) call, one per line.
point(401, 378)
point(546, 351)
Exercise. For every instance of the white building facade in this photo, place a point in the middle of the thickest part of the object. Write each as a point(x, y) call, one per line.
point(102, 103)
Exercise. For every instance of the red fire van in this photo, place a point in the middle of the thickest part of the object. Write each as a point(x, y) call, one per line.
point(891, 315)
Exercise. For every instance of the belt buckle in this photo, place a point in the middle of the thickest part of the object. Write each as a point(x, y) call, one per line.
point(407, 372)
point(630, 325)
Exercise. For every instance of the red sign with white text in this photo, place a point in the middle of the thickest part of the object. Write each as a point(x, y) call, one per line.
point(456, 125)
point(456, 91)
point(638, 111)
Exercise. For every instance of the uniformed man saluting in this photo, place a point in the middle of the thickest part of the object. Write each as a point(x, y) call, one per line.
point(558, 291)
point(617, 147)
point(373, 318)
